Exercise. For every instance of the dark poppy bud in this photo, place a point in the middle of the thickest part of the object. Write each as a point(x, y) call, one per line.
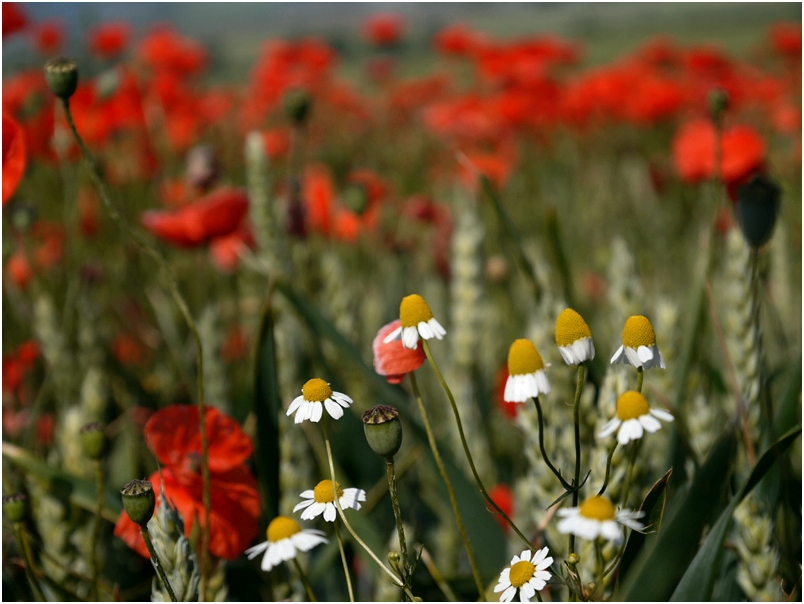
point(15, 507)
point(297, 105)
point(757, 208)
point(718, 103)
point(139, 501)
point(355, 197)
point(93, 440)
point(383, 430)
point(61, 74)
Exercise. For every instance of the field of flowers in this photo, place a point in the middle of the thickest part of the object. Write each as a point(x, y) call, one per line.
point(515, 328)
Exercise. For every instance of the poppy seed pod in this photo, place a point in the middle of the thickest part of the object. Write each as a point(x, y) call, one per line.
point(15, 507)
point(139, 501)
point(61, 74)
point(757, 208)
point(93, 440)
point(297, 105)
point(383, 430)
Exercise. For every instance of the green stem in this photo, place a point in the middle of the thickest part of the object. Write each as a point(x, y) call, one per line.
point(114, 212)
point(99, 481)
point(343, 558)
point(576, 414)
point(466, 447)
point(608, 469)
point(400, 529)
point(546, 459)
point(157, 565)
point(443, 471)
point(630, 474)
point(22, 543)
point(305, 582)
point(640, 372)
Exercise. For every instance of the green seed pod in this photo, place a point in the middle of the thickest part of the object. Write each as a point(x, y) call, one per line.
point(139, 501)
point(15, 507)
point(298, 105)
point(61, 74)
point(93, 440)
point(757, 208)
point(356, 198)
point(383, 430)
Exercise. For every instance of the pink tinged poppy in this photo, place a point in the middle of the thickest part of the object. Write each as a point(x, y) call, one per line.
point(393, 360)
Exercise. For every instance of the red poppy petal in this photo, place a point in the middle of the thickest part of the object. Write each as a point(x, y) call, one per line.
point(14, 156)
point(393, 359)
point(172, 433)
point(234, 520)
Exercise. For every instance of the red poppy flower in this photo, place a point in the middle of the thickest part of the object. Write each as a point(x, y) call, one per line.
point(14, 18)
point(785, 38)
point(225, 251)
point(502, 495)
point(19, 270)
point(458, 39)
point(165, 49)
point(277, 142)
point(509, 410)
point(173, 436)
point(128, 350)
point(393, 360)
point(215, 215)
point(383, 29)
point(108, 40)
point(48, 37)
point(14, 155)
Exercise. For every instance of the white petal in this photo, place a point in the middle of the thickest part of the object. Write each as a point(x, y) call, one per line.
point(342, 399)
point(567, 355)
point(330, 512)
point(618, 356)
point(650, 423)
point(301, 413)
point(538, 583)
point(526, 592)
point(509, 394)
point(508, 594)
point(609, 428)
point(542, 383)
point(645, 354)
point(410, 337)
point(502, 585)
point(611, 531)
point(439, 331)
point(657, 356)
point(317, 412)
point(295, 405)
point(308, 494)
point(393, 335)
point(255, 551)
point(425, 331)
point(271, 558)
point(630, 430)
point(334, 409)
point(662, 414)
point(304, 504)
point(538, 556)
point(632, 357)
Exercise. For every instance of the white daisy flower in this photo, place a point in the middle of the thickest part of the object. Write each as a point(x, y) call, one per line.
point(526, 574)
point(526, 378)
point(597, 517)
point(416, 320)
point(639, 345)
point(574, 338)
point(634, 418)
point(316, 394)
point(322, 499)
point(285, 539)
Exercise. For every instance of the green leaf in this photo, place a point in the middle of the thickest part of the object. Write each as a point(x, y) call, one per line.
point(79, 491)
point(657, 571)
point(698, 582)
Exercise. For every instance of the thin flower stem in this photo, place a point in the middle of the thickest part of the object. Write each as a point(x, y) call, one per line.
point(576, 413)
point(466, 447)
point(343, 555)
point(400, 529)
point(608, 469)
point(305, 582)
point(630, 474)
point(157, 565)
point(640, 372)
point(22, 543)
point(453, 500)
point(567, 486)
point(114, 212)
point(93, 555)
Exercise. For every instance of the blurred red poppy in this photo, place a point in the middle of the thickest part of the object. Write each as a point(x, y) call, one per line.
point(166, 49)
point(383, 29)
point(214, 215)
point(48, 37)
point(509, 410)
point(128, 350)
point(235, 347)
point(225, 251)
point(19, 270)
point(458, 39)
point(173, 436)
point(277, 142)
point(393, 360)
point(108, 40)
point(14, 18)
point(502, 495)
point(88, 211)
point(15, 157)
point(785, 38)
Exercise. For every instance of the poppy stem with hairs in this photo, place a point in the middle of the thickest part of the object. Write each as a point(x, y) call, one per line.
point(114, 212)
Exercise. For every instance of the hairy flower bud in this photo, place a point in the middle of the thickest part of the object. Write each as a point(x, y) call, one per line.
point(383, 430)
point(139, 501)
point(61, 74)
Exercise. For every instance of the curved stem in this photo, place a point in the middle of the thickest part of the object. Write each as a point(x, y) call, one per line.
point(608, 469)
point(640, 372)
point(305, 582)
point(343, 558)
point(546, 459)
point(114, 212)
point(443, 471)
point(576, 413)
point(400, 529)
point(99, 482)
point(19, 532)
point(466, 448)
point(157, 565)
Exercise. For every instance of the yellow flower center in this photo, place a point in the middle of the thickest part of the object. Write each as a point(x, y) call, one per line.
point(638, 332)
point(282, 527)
point(598, 508)
point(632, 405)
point(524, 358)
point(521, 573)
point(413, 310)
point(323, 492)
point(316, 390)
point(570, 327)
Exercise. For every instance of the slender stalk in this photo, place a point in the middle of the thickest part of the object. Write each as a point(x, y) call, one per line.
point(629, 475)
point(466, 448)
point(400, 529)
point(576, 413)
point(640, 372)
point(608, 468)
point(22, 543)
point(437, 577)
point(443, 471)
point(343, 558)
point(305, 582)
point(157, 565)
point(567, 486)
point(114, 212)
point(99, 482)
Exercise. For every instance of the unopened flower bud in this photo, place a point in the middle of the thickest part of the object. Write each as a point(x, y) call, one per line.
point(15, 507)
point(757, 208)
point(573, 559)
point(383, 430)
point(139, 501)
point(297, 105)
point(93, 440)
point(393, 556)
point(61, 74)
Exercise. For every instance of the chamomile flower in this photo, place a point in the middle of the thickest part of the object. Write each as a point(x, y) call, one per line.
point(416, 320)
point(316, 394)
point(639, 345)
point(597, 517)
point(285, 539)
point(526, 376)
point(322, 499)
point(634, 417)
point(526, 574)
point(574, 338)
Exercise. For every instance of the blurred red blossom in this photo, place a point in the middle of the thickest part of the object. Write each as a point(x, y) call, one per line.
point(109, 40)
point(235, 346)
point(18, 364)
point(502, 495)
point(277, 142)
point(28, 99)
point(164, 49)
point(393, 360)
point(128, 350)
point(173, 436)
point(786, 39)
point(384, 29)
point(48, 37)
point(15, 158)
point(14, 18)
point(508, 409)
point(225, 250)
point(50, 238)
point(19, 270)
point(458, 39)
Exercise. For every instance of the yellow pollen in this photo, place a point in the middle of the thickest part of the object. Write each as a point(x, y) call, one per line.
point(571, 327)
point(521, 573)
point(632, 405)
point(523, 358)
point(598, 508)
point(323, 492)
point(414, 310)
point(282, 527)
point(638, 332)
point(316, 390)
